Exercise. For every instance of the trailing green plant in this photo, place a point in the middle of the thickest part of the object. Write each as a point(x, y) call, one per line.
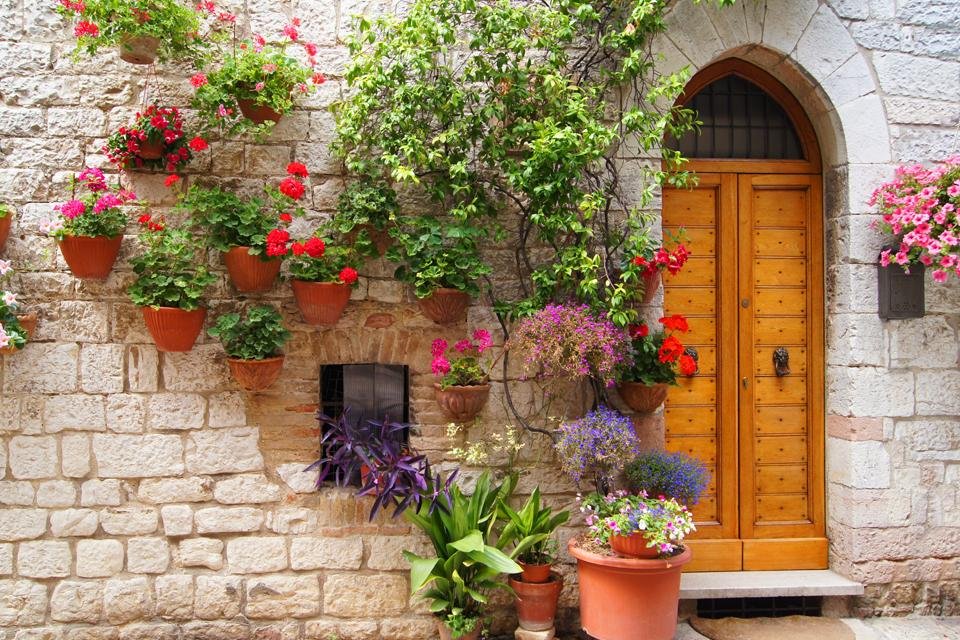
point(227, 219)
point(366, 203)
point(256, 335)
point(529, 530)
point(169, 268)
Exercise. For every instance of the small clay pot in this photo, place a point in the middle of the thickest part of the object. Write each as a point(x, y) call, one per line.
point(651, 284)
point(151, 150)
point(462, 403)
point(173, 329)
point(29, 323)
point(642, 398)
point(633, 546)
point(321, 303)
point(250, 274)
point(379, 237)
point(90, 257)
point(535, 572)
point(5, 223)
point(445, 306)
point(537, 602)
point(139, 49)
point(446, 634)
point(257, 113)
point(255, 375)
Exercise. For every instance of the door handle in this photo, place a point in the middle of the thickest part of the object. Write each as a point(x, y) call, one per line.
point(745, 382)
point(781, 361)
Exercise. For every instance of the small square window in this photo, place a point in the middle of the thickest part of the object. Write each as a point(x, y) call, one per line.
point(370, 391)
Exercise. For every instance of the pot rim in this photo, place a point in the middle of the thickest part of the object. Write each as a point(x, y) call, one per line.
point(270, 359)
point(485, 385)
point(619, 562)
point(553, 578)
point(446, 290)
point(78, 236)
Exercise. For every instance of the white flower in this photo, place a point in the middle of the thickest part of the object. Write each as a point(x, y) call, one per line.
point(10, 298)
point(4, 338)
point(6, 266)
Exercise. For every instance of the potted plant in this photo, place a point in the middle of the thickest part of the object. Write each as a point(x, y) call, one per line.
point(15, 327)
point(596, 447)
point(255, 84)
point(463, 388)
point(89, 228)
point(649, 263)
point(155, 139)
point(668, 474)
point(253, 345)
point(145, 30)
point(657, 360)
point(6, 219)
point(169, 285)
point(530, 530)
point(365, 208)
point(322, 276)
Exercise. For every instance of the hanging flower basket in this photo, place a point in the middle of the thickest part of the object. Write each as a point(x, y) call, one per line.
point(248, 273)
point(139, 49)
point(151, 150)
point(642, 398)
point(29, 323)
point(255, 375)
point(321, 303)
point(90, 257)
point(445, 306)
point(174, 329)
point(258, 113)
point(462, 403)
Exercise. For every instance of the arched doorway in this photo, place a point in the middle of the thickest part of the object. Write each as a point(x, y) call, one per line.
point(753, 291)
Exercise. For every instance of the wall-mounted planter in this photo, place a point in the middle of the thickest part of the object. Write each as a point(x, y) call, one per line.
point(445, 306)
point(321, 303)
point(250, 274)
point(900, 294)
point(90, 257)
point(174, 329)
point(5, 223)
point(255, 375)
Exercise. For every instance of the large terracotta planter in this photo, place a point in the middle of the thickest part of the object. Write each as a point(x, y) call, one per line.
point(628, 598)
point(151, 150)
point(445, 306)
point(651, 284)
point(255, 375)
point(535, 572)
point(642, 398)
point(258, 113)
point(462, 404)
point(537, 602)
point(90, 257)
point(174, 329)
point(248, 273)
point(139, 50)
point(5, 223)
point(321, 302)
point(445, 633)
point(29, 323)
point(633, 546)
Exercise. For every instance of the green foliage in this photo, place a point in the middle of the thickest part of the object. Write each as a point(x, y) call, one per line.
point(464, 372)
point(365, 203)
point(227, 219)
point(4, 210)
point(510, 115)
point(530, 530)
point(326, 268)
point(257, 336)
point(468, 561)
point(169, 269)
point(12, 332)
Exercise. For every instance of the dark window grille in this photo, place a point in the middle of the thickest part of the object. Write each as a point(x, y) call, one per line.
point(760, 607)
point(740, 121)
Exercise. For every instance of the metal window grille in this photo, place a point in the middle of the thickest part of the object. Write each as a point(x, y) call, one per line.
point(371, 391)
point(760, 607)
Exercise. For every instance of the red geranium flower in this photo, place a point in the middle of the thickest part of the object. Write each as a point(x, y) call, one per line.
point(639, 331)
point(676, 322)
point(286, 217)
point(688, 366)
point(297, 169)
point(348, 275)
point(292, 188)
point(144, 219)
point(171, 180)
point(86, 28)
point(670, 350)
point(198, 80)
point(315, 247)
point(298, 249)
point(198, 144)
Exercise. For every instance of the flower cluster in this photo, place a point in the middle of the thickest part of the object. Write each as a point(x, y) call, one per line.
point(12, 333)
point(663, 260)
point(668, 474)
point(919, 206)
point(597, 446)
point(570, 342)
point(156, 138)
point(663, 522)
point(466, 367)
point(94, 213)
point(658, 357)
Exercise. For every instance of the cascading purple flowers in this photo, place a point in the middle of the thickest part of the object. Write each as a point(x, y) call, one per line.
point(596, 446)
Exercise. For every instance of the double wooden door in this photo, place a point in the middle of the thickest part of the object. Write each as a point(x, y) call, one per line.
point(752, 288)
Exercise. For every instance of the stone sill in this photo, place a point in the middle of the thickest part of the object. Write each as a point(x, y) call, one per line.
point(765, 584)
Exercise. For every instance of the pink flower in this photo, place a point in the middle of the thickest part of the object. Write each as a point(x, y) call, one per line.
point(107, 201)
point(291, 32)
point(258, 42)
point(72, 209)
point(5, 267)
point(226, 16)
point(463, 346)
point(259, 86)
point(223, 112)
point(438, 347)
point(484, 341)
point(939, 275)
point(198, 80)
point(310, 48)
point(954, 190)
point(440, 366)
point(10, 298)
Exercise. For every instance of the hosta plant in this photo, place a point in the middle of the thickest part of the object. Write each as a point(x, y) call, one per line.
point(95, 210)
point(169, 267)
point(155, 139)
point(255, 335)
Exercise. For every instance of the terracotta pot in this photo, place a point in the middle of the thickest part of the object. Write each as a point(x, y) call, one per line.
point(321, 302)
point(250, 274)
point(380, 237)
point(628, 598)
point(642, 398)
point(537, 602)
point(535, 572)
point(255, 375)
point(90, 257)
point(151, 150)
point(29, 323)
point(445, 306)
point(258, 113)
point(445, 633)
point(174, 329)
point(5, 223)
point(633, 546)
point(462, 404)
point(139, 50)
point(651, 284)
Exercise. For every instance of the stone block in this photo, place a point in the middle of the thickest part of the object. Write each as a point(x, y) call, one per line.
point(325, 553)
point(854, 428)
point(385, 553)
point(902, 74)
point(127, 456)
point(928, 343)
point(176, 411)
point(143, 368)
point(126, 412)
point(174, 596)
point(82, 321)
point(44, 559)
point(99, 558)
point(127, 601)
point(825, 44)
point(33, 457)
point(91, 633)
point(163, 490)
point(129, 521)
point(217, 597)
point(201, 552)
point(409, 628)
point(783, 33)
point(247, 489)
point(22, 524)
point(257, 555)
point(70, 122)
point(56, 493)
point(224, 451)
point(282, 597)
point(325, 629)
point(201, 369)
point(228, 520)
point(77, 602)
point(938, 393)
point(869, 392)
point(929, 435)
point(101, 368)
point(349, 595)
point(6, 559)
point(100, 493)
point(227, 410)
point(149, 631)
point(266, 159)
point(292, 520)
point(860, 465)
point(177, 519)
point(76, 412)
point(297, 478)
point(147, 555)
point(16, 493)
point(75, 453)
point(863, 119)
point(856, 340)
point(74, 523)
point(22, 603)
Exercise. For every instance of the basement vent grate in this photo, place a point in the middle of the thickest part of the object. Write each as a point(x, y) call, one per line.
point(760, 607)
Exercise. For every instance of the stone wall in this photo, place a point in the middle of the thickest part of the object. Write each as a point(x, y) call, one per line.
point(141, 494)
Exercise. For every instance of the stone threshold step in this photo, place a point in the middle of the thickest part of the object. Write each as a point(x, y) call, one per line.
point(766, 584)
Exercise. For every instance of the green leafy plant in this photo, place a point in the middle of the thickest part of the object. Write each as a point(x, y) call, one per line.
point(169, 268)
point(257, 335)
point(530, 530)
point(468, 558)
point(227, 219)
point(4, 210)
point(366, 203)
point(12, 333)
point(315, 261)
point(466, 367)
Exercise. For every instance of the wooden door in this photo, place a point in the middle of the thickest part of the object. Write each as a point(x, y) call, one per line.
point(753, 285)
